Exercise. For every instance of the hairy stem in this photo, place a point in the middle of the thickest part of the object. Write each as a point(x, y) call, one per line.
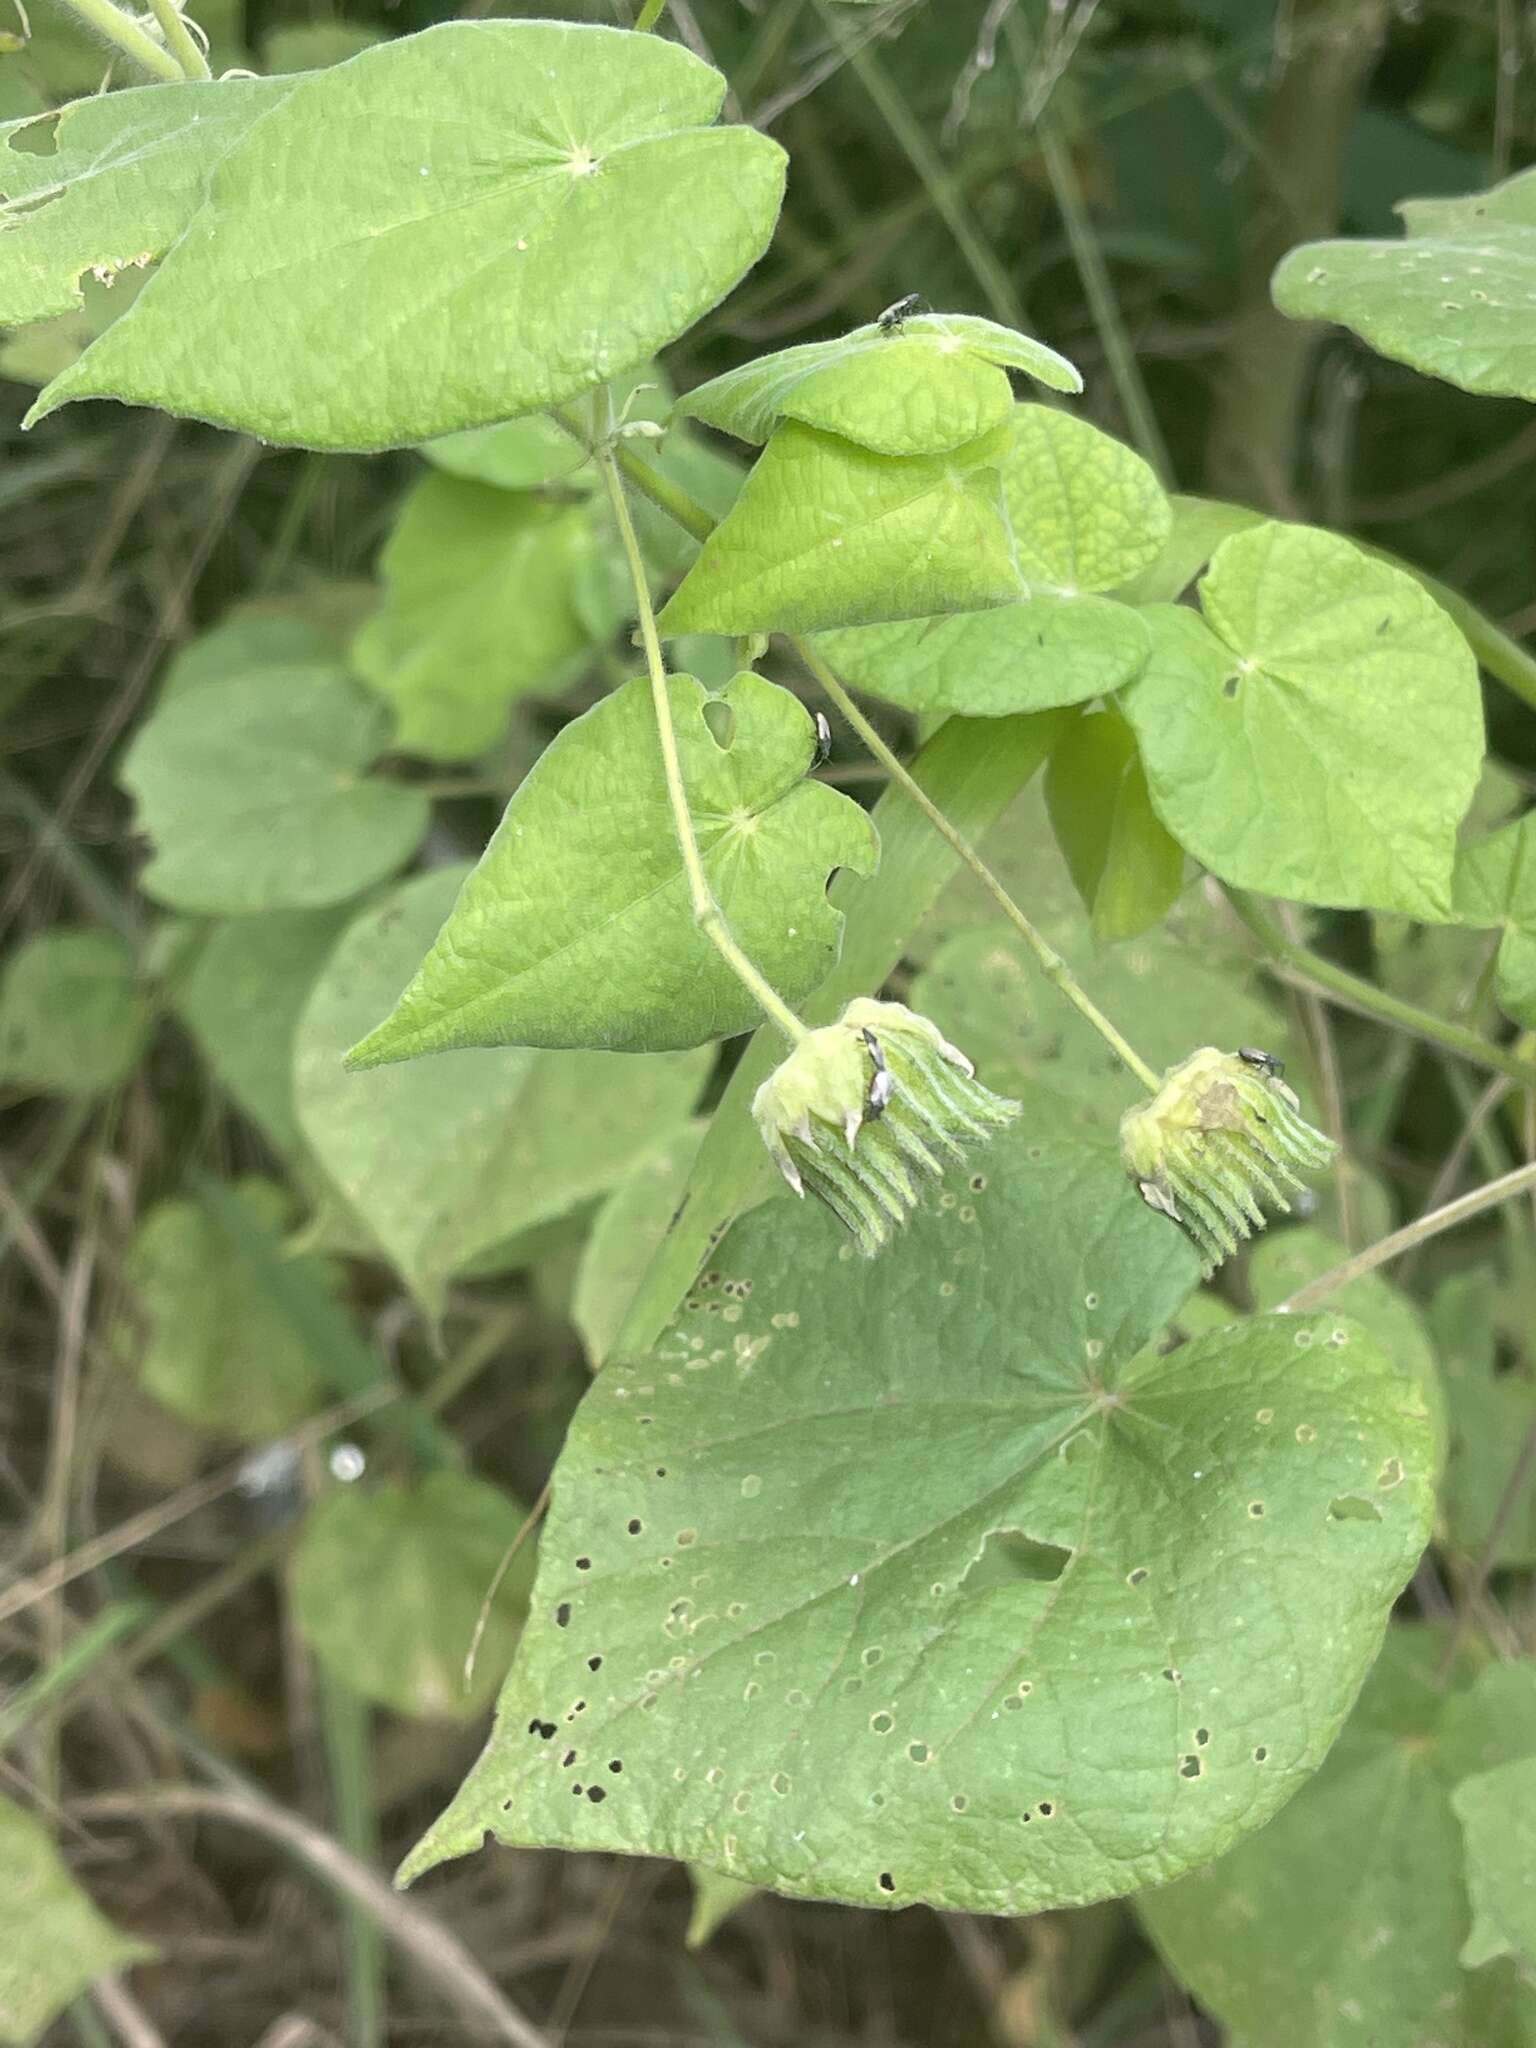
point(134, 42)
point(179, 39)
point(707, 913)
point(1354, 993)
point(1052, 965)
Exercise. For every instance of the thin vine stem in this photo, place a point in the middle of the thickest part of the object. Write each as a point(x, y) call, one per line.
point(707, 913)
point(1052, 965)
point(649, 16)
point(1354, 993)
point(179, 39)
point(133, 41)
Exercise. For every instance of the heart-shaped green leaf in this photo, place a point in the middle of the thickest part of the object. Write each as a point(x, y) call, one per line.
point(456, 227)
point(52, 1939)
point(388, 1583)
point(590, 940)
point(926, 1580)
point(1319, 734)
point(930, 385)
point(1454, 299)
point(450, 1156)
point(1086, 514)
point(478, 610)
point(73, 1016)
point(826, 533)
point(256, 795)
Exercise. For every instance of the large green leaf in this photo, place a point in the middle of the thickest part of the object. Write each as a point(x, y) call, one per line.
point(125, 175)
point(211, 1341)
point(447, 1157)
point(256, 794)
point(1496, 886)
point(52, 1939)
point(456, 227)
point(478, 610)
point(587, 938)
point(826, 533)
point(625, 1235)
point(389, 1581)
point(1319, 734)
point(1341, 1924)
point(1086, 513)
point(73, 1015)
point(930, 385)
point(926, 1580)
point(1497, 1811)
point(1454, 299)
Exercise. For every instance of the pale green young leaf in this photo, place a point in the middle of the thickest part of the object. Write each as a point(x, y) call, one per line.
point(626, 1234)
point(926, 1580)
point(1492, 1413)
point(53, 1941)
point(1455, 298)
point(478, 610)
point(588, 938)
point(1495, 885)
point(933, 384)
point(826, 533)
point(1127, 866)
point(448, 1157)
point(256, 794)
point(1497, 1811)
point(1319, 734)
point(456, 227)
point(124, 177)
point(74, 1017)
point(388, 1583)
point(240, 995)
point(208, 1338)
point(1086, 514)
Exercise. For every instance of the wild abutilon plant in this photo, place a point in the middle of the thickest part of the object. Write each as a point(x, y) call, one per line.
point(863, 1110)
point(1222, 1134)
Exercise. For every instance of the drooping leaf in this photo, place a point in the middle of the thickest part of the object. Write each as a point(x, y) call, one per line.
point(52, 1939)
point(74, 1017)
point(446, 1157)
point(1491, 1413)
point(1086, 514)
point(1497, 1811)
point(1318, 735)
point(934, 383)
point(1342, 1922)
point(1495, 885)
point(927, 1581)
point(388, 1583)
point(209, 1340)
point(478, 610)
point(624, 1237)
point(1453, 299)
point(826, 533)
point(257, 796)
point(588, 938)
point(555, 191)
point(1127, 866)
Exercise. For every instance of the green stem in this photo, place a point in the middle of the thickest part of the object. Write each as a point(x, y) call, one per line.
point(650, 14)
point(134, 42)
point(347, 1728)
point(179, 39)
point(51, 1684)
point(1363, 996)
point(679, 505)
point(707, 913)
point(1052, 965)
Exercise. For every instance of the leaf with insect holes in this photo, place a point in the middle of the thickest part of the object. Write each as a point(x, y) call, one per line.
point(445, 1158)
point(1127, 866)
point(53, 1942)
point(388, 1583)
point(73, 1016)
point(1086, 514)
point(479, 610)
point(1342, 1923)
point(826, 533)
point(932, 384)
point(589, 938)
point(928, 1580)
point(1454, 299)
point(481, 220)
point(123, 179)
point(256, 794)
point(1319, 733)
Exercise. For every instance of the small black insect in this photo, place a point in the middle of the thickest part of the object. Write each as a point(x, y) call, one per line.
point(1265, 1062)
point(894, 318)
point(882, 1082)
point(823, 741)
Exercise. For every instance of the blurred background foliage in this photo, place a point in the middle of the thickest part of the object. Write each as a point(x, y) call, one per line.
point(207, 1243)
